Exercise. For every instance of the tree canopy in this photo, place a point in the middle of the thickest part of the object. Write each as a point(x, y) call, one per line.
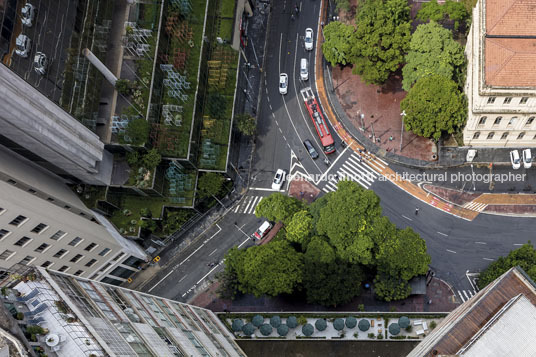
point(137, 130)
point(524, 257)
point(246, 124)
point(434, 105)
point(432, 50)
point(454, 11)
point(300, 227)
point(382, 38)
point(389, 288)
point(278, 207)
point(210, 184)
point(338, 42)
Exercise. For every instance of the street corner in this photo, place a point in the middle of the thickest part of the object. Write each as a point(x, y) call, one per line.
point(303, 190)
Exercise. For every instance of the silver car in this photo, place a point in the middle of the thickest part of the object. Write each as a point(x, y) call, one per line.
point(40, 63)
point(23, 45)
point(28, 14)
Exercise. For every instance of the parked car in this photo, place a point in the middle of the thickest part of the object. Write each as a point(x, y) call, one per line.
point(309, 39)
point(310, 149)
point(23, 45)
point(40, 63)
point(279, 178)
point(304, 69)
point(514, 158)
point(28, 14)
point(263, 230)
point(283, 83)
point(527, 158)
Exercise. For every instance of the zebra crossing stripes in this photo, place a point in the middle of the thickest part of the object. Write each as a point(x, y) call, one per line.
point(466, 294)
point(247, 206)
point(355, 169)
point(475, 206)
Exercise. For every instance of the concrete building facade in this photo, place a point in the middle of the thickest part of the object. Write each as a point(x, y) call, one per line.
point(501, 81)
point(38, 129)
point(88, 318)
point(44, 223)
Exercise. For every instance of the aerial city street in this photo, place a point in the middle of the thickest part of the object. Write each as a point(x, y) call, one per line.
point(267, 177)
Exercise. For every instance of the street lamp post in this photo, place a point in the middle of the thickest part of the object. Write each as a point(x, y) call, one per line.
point(403, 114)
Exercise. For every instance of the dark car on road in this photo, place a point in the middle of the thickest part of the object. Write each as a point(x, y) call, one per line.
point(310, 149)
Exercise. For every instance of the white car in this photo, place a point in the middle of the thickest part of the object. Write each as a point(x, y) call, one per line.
point(283, 83)
point(263, 230)
point(527, 158)
point(279, 178)
point(514, 158)
point(40, 63)
point(23, 45)
point(308, 39)
point(28, 14)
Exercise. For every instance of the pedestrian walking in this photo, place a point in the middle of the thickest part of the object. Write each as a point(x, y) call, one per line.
point(391, 138)
point(417, 211)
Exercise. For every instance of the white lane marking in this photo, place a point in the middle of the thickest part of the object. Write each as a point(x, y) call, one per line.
point(244, 242)
point(461, 296)
point(251, 198)
point(518, 244)
point(488, 259)
point(409, 219)
point(359, 171)
point(443, 234)
point(254, 205)
point(466, 295)
point(354, 177)
point(332, 165)
point(214, 251)
point(183, 278)
point(207, 274)
point(451, 251)
point(481, 243)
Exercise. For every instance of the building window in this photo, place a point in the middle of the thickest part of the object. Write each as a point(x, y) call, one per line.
point(76, 258)
point(6, 254)
point(133, 262)
point(26, 260)
point(91, 262)
point(521, 135)
point(50, 199)
point(90, 247)
point(497, 121)
point(63, 268)
point(104, 267)
point(507, 100)
point(75, 241)
point(39, 228)
point(2, 210)
point(78, 272)
point(523, 100)
point(58, 235)
point(32, 191)
point(490, 135)
point(42, 248)
point(13, 182)
point(4, 233)
point(67, 207)
point(22, 242)
point(504, 136)
point(529, 121)
point(118, 256)
point(46, 264)
point(18, 221)
point(60, 253)
point(121, 272)
point(491, 100)
point(512, 121)
point(104, 252)
point(482, 120)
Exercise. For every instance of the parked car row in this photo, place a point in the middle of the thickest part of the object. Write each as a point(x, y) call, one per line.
point(23, 44)
point(515, 159)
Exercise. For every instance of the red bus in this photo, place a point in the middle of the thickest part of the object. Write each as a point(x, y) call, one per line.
point(321, 127)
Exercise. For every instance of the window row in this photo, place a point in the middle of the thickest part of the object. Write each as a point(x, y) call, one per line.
point(512, 121)
point(25, 240)
point(504, 136)
point(508, 100)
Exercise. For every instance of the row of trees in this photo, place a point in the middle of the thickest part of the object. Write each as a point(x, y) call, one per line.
point(433, 62)
point(327, 249)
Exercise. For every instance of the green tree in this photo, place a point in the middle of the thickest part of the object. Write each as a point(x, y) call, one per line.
point(151, 159)
point(524, 257)
point(433, 51)
point(343, 5)
point(434, 105)
point(319, 251)
point(278, 207)
point(389, 288)
point(123, 86)
point(382, 39)
point(229, 283)
point(246, 124)
point(137, 130)
point(271, 269)
point(133, 157)
point(403, 255)
point(338, 42)
point(300, 227)
point(454, 11)
point(209, 184)
point(174, 220)
point(347, 219)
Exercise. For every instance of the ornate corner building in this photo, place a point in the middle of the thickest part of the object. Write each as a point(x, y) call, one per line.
point(501, 76)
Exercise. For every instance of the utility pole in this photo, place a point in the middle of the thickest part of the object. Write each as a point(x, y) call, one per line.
point(403, 114)
point(373, 135)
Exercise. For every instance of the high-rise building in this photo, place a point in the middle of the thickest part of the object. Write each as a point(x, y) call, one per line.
point(87, 318)
point(498, 321)
point(501, 81)
point(44, 223)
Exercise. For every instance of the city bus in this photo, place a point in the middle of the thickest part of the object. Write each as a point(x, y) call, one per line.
point(319, 122)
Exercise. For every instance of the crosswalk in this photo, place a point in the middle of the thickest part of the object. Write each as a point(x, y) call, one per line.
point(475, 206)
point(357, 169)
point(247, 206)
point(466, 294)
